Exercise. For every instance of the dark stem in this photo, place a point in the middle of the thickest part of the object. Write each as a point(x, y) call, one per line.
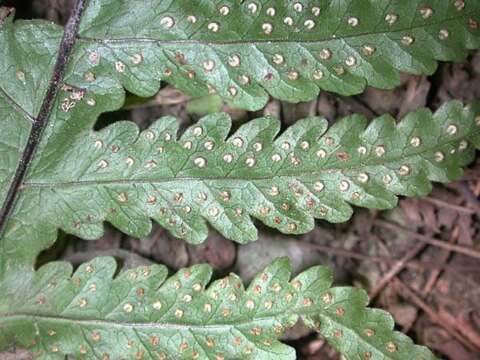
point(66, 45)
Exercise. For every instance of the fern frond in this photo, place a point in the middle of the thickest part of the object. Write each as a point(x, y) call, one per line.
point(83, 178)
point(285, 180)
point(247, 50)
point(142, 314)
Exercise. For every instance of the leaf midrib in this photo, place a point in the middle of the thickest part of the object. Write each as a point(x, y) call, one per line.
point(41, 120)
point(15, 106)
point(22, 316)
point(161, 180)
point(180, 327)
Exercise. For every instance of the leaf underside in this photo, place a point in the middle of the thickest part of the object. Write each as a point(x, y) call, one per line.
point(83, 178)
point(126, 177)
point(80, 178)
point(246, 50)
point(142, 314)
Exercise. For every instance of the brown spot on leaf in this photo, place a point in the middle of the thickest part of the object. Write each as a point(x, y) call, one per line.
point(180, 58)
point(268, 76)
point(342, 156)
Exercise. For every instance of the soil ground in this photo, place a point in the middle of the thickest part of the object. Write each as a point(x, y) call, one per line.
point(432, 288)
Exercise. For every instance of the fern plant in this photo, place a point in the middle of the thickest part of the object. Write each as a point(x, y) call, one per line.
point(56, 172)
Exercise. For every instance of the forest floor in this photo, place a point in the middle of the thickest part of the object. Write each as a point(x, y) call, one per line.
point(420, 261)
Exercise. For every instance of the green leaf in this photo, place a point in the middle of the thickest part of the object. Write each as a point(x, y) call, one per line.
point(126, 177)
point(23, 83)
point(204, 105)
point(142, 314)
point(57, 173)
point(246, 50)
point(82, 178)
